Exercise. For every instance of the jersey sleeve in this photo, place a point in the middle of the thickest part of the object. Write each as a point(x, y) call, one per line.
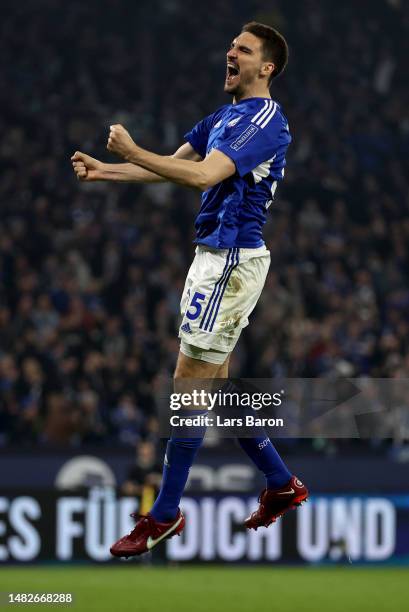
point(254, 140)
point(199, 135)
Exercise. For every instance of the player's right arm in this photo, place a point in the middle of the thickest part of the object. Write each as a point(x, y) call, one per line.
point(88, 168)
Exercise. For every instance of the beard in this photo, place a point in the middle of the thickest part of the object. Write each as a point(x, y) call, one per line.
point(233, 89)
point(238, 88)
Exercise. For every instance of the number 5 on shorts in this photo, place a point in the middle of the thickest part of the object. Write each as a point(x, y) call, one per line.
point(195, 303)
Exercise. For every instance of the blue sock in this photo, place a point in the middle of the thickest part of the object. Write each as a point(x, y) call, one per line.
point(264, 455)
point(180, 454)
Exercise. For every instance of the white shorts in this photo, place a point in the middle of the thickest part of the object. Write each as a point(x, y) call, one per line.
point(221, 290)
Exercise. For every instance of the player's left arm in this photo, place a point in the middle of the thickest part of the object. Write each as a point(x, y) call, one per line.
point(202, 175)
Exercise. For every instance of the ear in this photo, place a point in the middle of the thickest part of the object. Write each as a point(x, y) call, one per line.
point(267, 69)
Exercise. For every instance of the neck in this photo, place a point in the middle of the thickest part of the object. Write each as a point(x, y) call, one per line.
point(251, 92)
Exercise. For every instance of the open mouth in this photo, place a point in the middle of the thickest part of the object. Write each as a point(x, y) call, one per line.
point(232, 72)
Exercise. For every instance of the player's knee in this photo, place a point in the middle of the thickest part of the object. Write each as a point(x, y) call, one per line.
point(182, 370)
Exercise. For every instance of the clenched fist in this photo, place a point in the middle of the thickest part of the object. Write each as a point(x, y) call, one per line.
point(86, 168)
point(120, 142)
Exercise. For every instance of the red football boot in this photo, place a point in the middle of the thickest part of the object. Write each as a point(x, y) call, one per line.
point(146, 534)
point(274, 503)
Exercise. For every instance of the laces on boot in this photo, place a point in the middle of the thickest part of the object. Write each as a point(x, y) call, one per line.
point(144, 522)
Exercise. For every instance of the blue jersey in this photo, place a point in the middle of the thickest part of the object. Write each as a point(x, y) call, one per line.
point(254, 134)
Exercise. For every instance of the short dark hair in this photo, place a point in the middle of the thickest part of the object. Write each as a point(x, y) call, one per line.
point(275, 46)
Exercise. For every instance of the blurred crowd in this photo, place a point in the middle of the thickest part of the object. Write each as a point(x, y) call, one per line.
point(91, 274)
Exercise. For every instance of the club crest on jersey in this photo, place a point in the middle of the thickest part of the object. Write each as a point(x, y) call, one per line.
point(244, 137)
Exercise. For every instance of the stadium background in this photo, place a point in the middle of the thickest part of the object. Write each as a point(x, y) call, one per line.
point(91, 277)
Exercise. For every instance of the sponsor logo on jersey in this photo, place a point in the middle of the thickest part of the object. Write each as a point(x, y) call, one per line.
point(244, 137)
point(233, 122)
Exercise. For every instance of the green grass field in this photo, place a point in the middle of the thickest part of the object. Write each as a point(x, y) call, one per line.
point(221, 588)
